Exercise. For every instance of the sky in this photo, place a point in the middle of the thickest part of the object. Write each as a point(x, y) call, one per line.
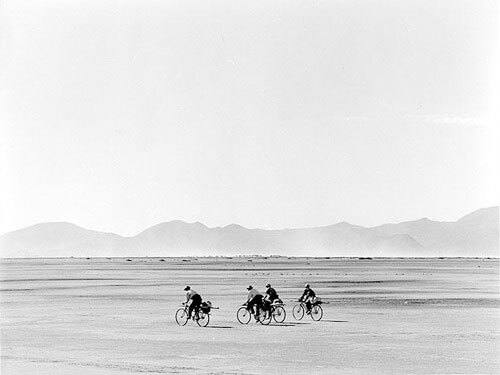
point(118, 115)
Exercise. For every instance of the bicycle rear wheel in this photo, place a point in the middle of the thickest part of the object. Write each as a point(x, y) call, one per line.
point(316, 312)
point(298, 312)
point(279, 314)
point(181, 317)
point(203, 319)
point(243, 315)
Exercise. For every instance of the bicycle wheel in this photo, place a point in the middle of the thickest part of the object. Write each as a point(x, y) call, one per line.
point(181, 317)
point(298, 312)
point(316, 312)
point(279, 314)
point(203, 319)
point(265, 317)
point(243, 315)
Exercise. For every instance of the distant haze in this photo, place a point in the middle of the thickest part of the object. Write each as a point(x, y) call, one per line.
point(476, 234)
point(118, 115)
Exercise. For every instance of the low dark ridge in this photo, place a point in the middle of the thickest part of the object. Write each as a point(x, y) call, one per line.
point(64, 279)
point(83, 287)
point(359, 282)
point(415, 302)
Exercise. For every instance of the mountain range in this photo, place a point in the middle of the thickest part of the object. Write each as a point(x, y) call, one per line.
point(474, 235)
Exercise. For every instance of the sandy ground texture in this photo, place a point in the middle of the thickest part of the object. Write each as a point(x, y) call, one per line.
point(116, 316)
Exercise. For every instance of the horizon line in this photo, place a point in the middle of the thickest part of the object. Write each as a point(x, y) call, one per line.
point(265, 257)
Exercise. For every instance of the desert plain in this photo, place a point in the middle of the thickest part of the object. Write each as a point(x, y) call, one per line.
point(116, 316)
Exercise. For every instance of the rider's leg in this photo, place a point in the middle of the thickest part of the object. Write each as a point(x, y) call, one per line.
point(266, 305)
point(258, 305)
point(191, 308)
point(308, 306)
point(196, 303)
point(250, 305)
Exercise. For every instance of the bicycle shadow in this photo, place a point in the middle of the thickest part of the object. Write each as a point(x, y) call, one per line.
point(283, 324)
point(335, 321)
point(220, 327)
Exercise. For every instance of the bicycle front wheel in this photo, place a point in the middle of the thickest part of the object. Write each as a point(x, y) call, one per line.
point(316, 312)
point(265, 317)
point(298, 312)
point(243, 315)
point(279, 314)
point(181, 317)
point(203, 319)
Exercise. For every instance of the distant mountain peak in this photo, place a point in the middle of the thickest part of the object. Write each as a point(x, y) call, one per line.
point(55, 223)
point(180, 222)
point(343, 224)
point(50, 227)
point(234, 226)
point(482, 213)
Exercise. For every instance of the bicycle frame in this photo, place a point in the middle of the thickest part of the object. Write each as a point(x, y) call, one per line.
point(182, 316)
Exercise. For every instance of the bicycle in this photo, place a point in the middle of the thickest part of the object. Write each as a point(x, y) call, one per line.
point(201, 315)
point(277, 311)
point(316, 312)
point(244, 315)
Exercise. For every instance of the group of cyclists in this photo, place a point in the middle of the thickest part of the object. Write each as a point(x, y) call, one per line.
point(256, 302)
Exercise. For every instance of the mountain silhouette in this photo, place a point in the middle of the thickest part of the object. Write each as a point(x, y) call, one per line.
point(476, 235)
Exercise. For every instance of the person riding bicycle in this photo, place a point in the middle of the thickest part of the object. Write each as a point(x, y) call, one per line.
point(195, 300)
point(307, 296)
point(270, 297)
point(254, 298)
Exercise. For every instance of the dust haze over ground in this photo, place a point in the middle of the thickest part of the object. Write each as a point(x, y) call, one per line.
point(116, 316)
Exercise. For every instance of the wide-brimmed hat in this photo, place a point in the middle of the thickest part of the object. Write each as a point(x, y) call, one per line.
point(249, 287)
point(187, 287)
point(268, 285)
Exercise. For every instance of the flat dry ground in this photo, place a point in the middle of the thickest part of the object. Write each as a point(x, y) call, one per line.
point(113, 316)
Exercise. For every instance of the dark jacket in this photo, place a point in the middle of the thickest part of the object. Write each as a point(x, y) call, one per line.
point(271, 292)
point(308, 293)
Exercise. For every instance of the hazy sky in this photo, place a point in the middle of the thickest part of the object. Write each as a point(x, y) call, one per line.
point(117, 115)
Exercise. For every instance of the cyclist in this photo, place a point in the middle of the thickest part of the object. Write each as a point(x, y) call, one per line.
point(254, 298)
point(195, 299)
point(307, 296)
point(270, 296)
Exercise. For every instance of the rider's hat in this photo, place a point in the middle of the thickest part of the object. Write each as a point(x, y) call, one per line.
point(249, 287)
point(268, 285)
point(306, 286)
point(187, 287)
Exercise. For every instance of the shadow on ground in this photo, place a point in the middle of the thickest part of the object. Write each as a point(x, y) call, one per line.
point(335, 321)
